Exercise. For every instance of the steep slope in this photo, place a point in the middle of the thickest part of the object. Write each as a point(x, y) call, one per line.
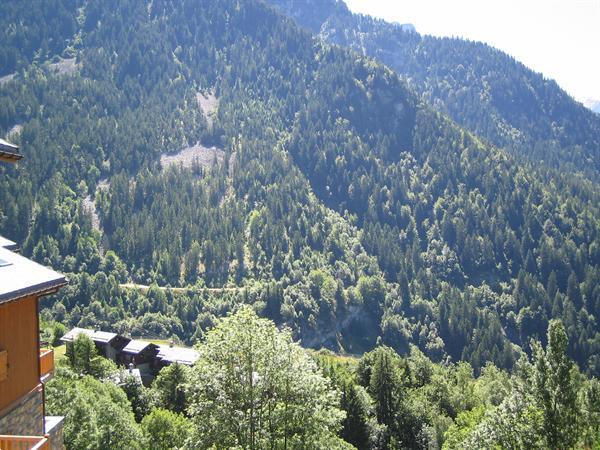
point(346, 207)
point(478, 86)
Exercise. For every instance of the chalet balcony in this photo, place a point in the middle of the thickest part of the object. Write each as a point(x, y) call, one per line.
point(46, 365)
point(24, 443)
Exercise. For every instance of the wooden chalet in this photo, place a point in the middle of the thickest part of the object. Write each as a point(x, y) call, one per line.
point(24, 367)
point(142, 355)
point(144, 358)
point(109, 345)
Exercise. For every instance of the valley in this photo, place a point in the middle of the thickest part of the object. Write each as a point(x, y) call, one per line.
point(217, 168)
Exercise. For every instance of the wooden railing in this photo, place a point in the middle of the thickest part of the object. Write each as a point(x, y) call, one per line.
point(24, 443)
point(46, 364)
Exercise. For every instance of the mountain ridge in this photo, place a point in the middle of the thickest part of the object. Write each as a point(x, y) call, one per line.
point(520, 110)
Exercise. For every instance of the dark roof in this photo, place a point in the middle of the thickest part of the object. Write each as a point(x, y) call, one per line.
point(20, 277)
point(8, 244)
point(9, 152)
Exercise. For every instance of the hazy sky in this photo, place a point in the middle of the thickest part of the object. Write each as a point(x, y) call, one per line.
point(561, 39)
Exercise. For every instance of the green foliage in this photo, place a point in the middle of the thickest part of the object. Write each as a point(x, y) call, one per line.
point(360, 424)
point(383, 386)
point(253, 387)
point(169, 387)
point(447, 406)
point(465, 422)
point(84, 359)
point(340, 198)
point(555, 386)
point(137, 394)
point(165, 430)
point(58, 331)
point(480, 87)
point(515, 423)
point(343, 208)
point(81, 352)
point(591, 410)
point(545, 407)
point(97, 414)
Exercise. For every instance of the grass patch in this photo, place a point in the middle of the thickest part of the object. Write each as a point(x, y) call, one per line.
point(60, 352)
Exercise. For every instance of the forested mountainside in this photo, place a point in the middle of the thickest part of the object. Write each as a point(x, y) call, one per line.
point(481, 88)
point(334, 200)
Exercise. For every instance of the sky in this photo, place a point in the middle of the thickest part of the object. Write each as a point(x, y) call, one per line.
point(559, 38)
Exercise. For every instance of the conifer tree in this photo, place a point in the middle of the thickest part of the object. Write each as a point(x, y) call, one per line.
point(383, 387)
point(170, 385)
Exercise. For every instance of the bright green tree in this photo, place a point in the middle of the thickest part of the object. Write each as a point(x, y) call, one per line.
point(465, 422)
point(253, 387)
point(165, 430)
point(84, 359)
point(81, 352)
point(556, 389)
point(97, 414)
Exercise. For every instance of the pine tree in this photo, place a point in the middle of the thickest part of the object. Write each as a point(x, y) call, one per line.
point(356, 426)
point(170, 385)
point(383, 387)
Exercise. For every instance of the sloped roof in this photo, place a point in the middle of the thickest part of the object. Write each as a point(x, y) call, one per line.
point(72, 335)
point(102, 337)
point(135, 347)
point(20, 277)
point(9, 152)
point(8, 244)
point(181, 355)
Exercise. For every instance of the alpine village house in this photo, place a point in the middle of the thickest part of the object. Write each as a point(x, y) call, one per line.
point(24, 365)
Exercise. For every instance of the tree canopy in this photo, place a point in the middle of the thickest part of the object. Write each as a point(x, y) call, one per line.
point(253, 387)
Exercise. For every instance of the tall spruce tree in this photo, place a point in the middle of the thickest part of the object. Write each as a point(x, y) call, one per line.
point(357, 424)
point(384, 387)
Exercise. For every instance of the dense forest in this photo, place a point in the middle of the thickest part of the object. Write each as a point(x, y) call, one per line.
point(334, 197)
point(343, 207)
point(481, 88)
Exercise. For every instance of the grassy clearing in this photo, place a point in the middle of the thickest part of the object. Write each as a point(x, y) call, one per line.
point(60, 352)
